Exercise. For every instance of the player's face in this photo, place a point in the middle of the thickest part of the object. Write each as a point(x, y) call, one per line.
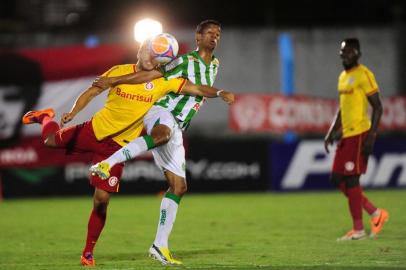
point(145, 58)
point(349, 55)
point(210, 37)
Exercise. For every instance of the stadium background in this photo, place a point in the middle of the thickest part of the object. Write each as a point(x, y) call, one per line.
point(280, 57)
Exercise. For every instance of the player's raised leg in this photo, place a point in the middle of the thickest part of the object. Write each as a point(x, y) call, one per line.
point(46, 119)
point(128, 152)
point(159, 125)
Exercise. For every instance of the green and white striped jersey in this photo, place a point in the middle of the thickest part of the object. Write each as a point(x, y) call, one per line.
point(192, 67)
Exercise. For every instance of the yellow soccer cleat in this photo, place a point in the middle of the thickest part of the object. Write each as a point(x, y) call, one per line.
point(101, 169)
point(353, 235)
point(32, 117)
point(163, 255)
point(378, 222)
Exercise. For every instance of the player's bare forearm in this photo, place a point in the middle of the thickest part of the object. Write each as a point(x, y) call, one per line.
point(80, 103)
point(334, 132)
point(207, 91)
point(133, 78)
point(377, 110)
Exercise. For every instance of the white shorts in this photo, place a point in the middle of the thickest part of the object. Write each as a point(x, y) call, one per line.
point(170, 156)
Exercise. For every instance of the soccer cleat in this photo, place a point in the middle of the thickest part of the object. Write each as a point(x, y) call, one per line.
point(163, 255)
point(101, 169)
point(87, 260)
point(378, 222)
point(32, 117)
point(353, 235)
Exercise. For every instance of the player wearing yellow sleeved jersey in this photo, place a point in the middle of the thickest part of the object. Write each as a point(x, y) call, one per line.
point(117, 123)
point(121, 116)
point(356, 132)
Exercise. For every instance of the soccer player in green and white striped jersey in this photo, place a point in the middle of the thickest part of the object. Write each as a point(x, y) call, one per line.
point(165, 122)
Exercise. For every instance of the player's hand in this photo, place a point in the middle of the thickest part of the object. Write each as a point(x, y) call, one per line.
point(328, 140)
point(103, 82)
point(228, 97)
point(66, 117)
point(368, 145)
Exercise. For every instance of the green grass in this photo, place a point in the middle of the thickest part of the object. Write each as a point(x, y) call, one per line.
point(216, 231)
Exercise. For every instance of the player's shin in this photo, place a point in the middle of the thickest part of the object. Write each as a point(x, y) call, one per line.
point(168, 210)
point(131, 150)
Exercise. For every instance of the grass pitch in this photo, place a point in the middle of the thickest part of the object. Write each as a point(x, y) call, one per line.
point(213, 231)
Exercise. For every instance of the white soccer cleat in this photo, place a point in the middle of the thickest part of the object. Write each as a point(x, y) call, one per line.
point(353, 235)
point(163, 255)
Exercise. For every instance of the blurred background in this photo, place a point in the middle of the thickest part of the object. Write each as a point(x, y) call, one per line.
point(280, 57)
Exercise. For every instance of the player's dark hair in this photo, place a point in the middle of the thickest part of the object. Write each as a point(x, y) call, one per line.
point(206, 23)
point(353, 43)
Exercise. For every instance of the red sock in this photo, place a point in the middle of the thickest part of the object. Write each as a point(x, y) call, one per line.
point(355, 203)
point(94, 229)
point(343, 188)
point(367, 205)
point(49, 126)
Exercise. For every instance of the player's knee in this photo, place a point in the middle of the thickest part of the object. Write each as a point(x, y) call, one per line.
point(101, 200)
point(101, 208)
point(180, 188)
point(335, 179)
point(352, 181)
point(50, 141)
point(161, 134)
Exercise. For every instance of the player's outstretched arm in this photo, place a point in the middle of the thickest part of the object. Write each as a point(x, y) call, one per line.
point(377, 110)
point(133, 78)
point(207, 91)
point(84, 98)
point(334, 132)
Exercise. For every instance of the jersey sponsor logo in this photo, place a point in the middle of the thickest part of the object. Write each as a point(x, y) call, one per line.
point(346, 91)
point(113, 181)
point(149, 86)
point(196, 106)
point(136, 97)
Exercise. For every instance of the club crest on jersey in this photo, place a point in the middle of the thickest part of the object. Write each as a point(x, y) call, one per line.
point(113, 181)
point(149, 86)
point(351, 81)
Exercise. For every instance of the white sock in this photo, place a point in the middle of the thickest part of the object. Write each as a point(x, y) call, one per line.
point(376, 213)
point(167, 217)
point(128, 152)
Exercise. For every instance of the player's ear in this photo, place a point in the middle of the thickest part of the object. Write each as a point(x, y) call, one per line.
point(198, 37)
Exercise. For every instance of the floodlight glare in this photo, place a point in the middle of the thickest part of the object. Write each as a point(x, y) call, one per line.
point(146, 28)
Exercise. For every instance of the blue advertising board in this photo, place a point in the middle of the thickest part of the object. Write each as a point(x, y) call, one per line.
point(304, 165)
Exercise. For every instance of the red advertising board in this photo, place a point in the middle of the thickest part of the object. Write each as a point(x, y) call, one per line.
point(302, 114)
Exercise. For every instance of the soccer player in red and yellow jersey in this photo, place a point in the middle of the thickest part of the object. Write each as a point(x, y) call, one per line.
point(356, 133)
point(116, 124)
